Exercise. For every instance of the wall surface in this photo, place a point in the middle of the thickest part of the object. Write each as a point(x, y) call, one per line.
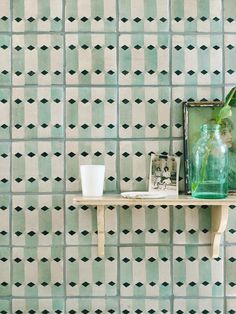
point(102, 81)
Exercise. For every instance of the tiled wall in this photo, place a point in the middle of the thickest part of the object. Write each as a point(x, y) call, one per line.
point(102, 81)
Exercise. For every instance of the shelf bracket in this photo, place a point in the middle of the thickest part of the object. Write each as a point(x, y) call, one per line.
point(219, 218)
point(101, 229)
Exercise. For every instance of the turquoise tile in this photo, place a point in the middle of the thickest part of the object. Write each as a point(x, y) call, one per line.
point(81, 224)
point(143, 16)
point(196, 16)
point(91, 112)
point(54, 306)
point(145, 306)
point(4, 220)
point(5, 306)
point(37, 59)
point(37, 166)
point(37, 15)
point(85, 153)
point(192, 62)
point(144, 224)
point(90, 275)
point(5, 157)
point(230, 54)
point(37, 112)
point(230, 267)
point(230, 232)
point(196, 273)
point(144, 59)
point(91, 59)
point(37, 272)
point(135, 162)
point(82, 305)
point(145, 271)
point(144, 112)
point(90, 15)
point(5, 275)
point(5, 56)
point(182, 306)
point(37, 220)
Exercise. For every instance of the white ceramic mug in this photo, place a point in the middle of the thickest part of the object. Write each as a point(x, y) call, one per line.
point(92, 179)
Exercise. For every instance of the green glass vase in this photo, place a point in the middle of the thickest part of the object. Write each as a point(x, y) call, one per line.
point(209, 165)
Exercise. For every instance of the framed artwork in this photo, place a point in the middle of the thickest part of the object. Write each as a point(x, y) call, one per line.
point(164, 175)
point(194, 115)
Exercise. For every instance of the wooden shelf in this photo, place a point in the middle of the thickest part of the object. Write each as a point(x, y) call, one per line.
point(219, 212)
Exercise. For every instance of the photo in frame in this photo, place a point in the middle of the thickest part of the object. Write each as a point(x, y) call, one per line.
point(164, 174)
point(196, 114)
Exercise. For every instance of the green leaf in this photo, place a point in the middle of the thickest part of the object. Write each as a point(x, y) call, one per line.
point(224, 112)
point(230, 99)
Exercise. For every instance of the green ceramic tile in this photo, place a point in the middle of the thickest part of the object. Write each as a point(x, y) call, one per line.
point(145, 271)
point(85, 153)
point(230, 54)
point(230, 232)
point(143, 16)
point(37, 112)
point(5, 307)
point(5, 113)
point(37, 15)
point(145, 306)
point(89, 306)
point(135, 162)
point(143, 59)
point(91, 112)
point(144, 224)
point(37, 59)
point(229, 16)
point(178, 150)
point(90, 275)
point(5, 276)
point(192, 62)
point(144, 112)
point(37, 220)
point(182, 306)
point(37, 272)
point(5, 20)
point(5, 167)
point(91, 59)
point(38, 306)
point(231, 306)
point(5, 56)
point(230, 267)
point(196, 16)
point(81, 224)
point(196, 273)
point(4, 220)
point(90, 15)
point(37, 166)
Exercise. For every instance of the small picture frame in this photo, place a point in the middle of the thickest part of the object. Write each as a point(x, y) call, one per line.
point(196, 114)
point(164, 174)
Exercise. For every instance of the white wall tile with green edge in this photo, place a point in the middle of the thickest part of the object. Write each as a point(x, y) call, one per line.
point(5, 306)
point(230, 270)
point(230, 232)
point(38, 306)
point(91, 112)
point(37, 272)
point(230, 306)
point(196, 16)
point(5, 113)
point(177, 150)
point(191, 224)
point(230, 55)
point(5, 274)
point(37, 220)
point(37, 59)
point(37, 15)
point(87, 153)
point(81, 224)
point(143, 16)
point(4, 220)
point(188, 93)
point(145, 271)
point(196, 273)
point(5, 56)
point(37, 112)
point(144, 59)
point(82, 305)
point(5, 20)
point(135, 162)
point(90, 16)
point(147, 224)
point(144, 112)
point(145, 306)
point(37, 166)
point(229, 16)
point(90, 275)
point(215, 305)
point(5, 160)
point(91, 59)
point(197, 59)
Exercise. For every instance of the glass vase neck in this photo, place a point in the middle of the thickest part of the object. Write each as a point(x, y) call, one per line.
point(210, 128)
